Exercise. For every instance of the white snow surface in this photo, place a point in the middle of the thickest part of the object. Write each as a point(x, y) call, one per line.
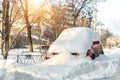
point(105, 67)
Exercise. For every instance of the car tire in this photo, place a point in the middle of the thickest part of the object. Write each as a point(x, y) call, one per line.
point(93, 56)
point(102, 52)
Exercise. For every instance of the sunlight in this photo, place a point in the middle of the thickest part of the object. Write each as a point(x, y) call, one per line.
point(36, 3)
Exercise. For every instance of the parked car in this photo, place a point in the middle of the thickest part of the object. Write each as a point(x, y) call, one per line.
point(95, 50)
point(78, 42)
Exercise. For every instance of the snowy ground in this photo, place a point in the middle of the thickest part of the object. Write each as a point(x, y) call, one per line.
point(105, 67)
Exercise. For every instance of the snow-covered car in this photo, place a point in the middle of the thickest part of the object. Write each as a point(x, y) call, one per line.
point(77, 42)
point(95, 50)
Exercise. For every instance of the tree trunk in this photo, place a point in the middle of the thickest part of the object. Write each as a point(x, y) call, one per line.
point(5, 29)
point(74, 22)
point(29, 38)
point(28, 27)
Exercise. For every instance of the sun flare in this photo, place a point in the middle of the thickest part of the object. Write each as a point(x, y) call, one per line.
point(36, 3)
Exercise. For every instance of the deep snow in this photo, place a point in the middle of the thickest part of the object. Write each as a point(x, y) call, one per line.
point(105, 67)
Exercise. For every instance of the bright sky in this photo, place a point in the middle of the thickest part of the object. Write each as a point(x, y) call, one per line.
point(36, 3)
point(109, 14)
point(109, 9)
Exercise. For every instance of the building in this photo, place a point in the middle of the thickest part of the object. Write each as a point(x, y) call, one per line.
point(69, 14)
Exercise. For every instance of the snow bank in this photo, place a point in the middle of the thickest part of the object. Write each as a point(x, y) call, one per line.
point(41, 72)
point(106, 70)
point(105, 67)
point(76, 69)
point(2, 74)
point(58, 59)
point(3, 65)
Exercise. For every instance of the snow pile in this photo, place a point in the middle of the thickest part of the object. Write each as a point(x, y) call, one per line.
point(3, 65)
point(58, 59)
point(41, 72)
point(108, 69)
point(103, 68)
point(72, 40)
point(2, 73)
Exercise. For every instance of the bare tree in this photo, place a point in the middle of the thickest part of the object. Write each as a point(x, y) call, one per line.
point(52, 16)
point(78, 6)
point(25, 10)
point(31, 18)
point(57, 19)
point(5, 29)
point(104, 35)
point(10, 14)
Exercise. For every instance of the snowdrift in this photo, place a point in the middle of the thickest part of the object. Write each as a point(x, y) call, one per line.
point(78, 69)
point(105, 67)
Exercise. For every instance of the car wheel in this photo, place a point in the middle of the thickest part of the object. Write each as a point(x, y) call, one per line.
point(102, 52)
point(93, 56)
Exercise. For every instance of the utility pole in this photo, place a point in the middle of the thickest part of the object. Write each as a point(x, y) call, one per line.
point(59, 22)
point(59, 13)
point(95, 14)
